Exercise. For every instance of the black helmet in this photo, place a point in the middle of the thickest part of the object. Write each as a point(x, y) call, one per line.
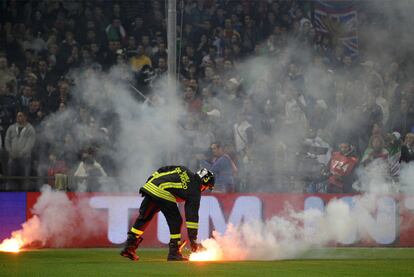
point(207, 177)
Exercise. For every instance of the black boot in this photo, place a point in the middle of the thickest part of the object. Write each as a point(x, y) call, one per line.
point(174, 253)
point(131, 246)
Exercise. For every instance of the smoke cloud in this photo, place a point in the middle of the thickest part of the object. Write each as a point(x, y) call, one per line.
point(288, 237)
point(291, 234)
point(406, 178)
point(143, 134)
point(58, 221)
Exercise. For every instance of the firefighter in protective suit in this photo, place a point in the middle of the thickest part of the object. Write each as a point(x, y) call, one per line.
point(163, 189)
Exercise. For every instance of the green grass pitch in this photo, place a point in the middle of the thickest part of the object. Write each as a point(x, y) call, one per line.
point(108, 262)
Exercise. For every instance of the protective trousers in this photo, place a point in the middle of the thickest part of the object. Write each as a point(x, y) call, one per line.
point(151, 206)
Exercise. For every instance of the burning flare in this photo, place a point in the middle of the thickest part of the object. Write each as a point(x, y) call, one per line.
point(29, 233)
point(212, 252)
point(13, 244)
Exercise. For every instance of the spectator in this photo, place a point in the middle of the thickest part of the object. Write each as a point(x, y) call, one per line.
point(31, 80)
point(26, 97)
point(184, 67)
point(64, 91)
point(208, 76)
point(101, 20)
point(375, 151)
point(243, 133)
point(269, 24)
point(89, 171)
point(53, 54)
point(229, 31)
point(56, 166)
point(317, 115)
point(294, 108)
point(269, 119)
point(407, 149)
point(342, 169)
point(370, 114)
point(192, 101)
point(219, 17)
point(74, 58)
point(228, 70)
point(109, 55)
point(9, 105)
point(67, 44)
point(161, 52)
point(393, 145)
point(51, 100)
point(12, 48)
point(132, 45)
point(44, 76)
point(402, 120)
point(190, 53)
point(218, 41)
point(249, 35)
point(378, 91)
point(115, 31)
point(139, 29)
point(117, 11)
point(145, 42)
point(34, 113)
point(6, 75)
point(324, 45)
point(162, 67)
point(315, 147)
point(222, 167)
point(19, 142)
point(211, 104)
point(139, 59)
point(203, 46)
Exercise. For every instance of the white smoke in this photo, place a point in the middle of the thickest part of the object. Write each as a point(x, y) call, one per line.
point(145, 134)
point(59, 222)
point(374, 179)
point(407, 178)
point(282, 237)
point(341, 222)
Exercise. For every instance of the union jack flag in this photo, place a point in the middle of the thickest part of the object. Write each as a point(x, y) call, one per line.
point(339, 19)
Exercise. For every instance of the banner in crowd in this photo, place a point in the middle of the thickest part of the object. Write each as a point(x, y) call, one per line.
point(113, 215)
point(339, 19)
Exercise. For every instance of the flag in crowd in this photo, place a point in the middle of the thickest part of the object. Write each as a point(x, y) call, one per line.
point(338, 19)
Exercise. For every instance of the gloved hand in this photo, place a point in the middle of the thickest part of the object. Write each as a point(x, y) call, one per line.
point(195, 246)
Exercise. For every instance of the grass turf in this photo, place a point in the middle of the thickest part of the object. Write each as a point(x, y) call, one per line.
point(108, 262)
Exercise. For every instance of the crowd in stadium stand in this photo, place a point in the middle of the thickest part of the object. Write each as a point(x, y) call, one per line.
point(233, 122)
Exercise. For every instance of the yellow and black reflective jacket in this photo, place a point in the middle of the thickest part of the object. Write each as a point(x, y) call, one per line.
point(177, 183)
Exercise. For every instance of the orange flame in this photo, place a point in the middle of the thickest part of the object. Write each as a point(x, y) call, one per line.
point(13, 244)
point(205, 255)
point(212, 252)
